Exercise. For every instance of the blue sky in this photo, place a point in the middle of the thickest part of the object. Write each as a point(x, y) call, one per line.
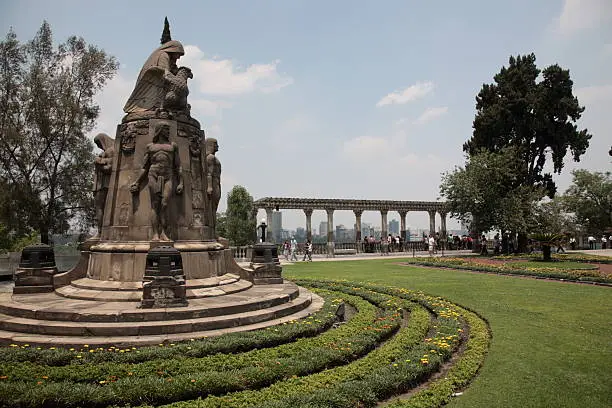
point(343, 99)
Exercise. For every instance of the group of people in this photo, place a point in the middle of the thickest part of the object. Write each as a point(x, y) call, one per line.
point(452, 242)
point(606, 242)
point(388, 244)
point(290, 250)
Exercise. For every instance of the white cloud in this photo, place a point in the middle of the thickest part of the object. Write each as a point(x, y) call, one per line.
point(205, 107)
point(577, 15)
point(216, 76)
point(111, 100)
point(412, 93)
point(292, 134)
point(365, 148)
point(430, 114)
point(424, 162)
point(593, 94)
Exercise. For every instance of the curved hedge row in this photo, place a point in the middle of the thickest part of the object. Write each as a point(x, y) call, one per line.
point(395, 341)
point(182, 378)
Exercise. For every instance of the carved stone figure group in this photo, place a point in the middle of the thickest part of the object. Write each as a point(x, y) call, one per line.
point(160, 93)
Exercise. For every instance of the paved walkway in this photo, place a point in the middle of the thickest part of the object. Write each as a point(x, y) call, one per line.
point(418, 254)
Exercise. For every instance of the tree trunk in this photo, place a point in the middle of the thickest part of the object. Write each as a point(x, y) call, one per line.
point(522, 242)
point(546, 253)
point(44, 234)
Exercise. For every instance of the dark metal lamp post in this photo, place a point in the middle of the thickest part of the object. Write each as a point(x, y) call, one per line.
point(263, 229)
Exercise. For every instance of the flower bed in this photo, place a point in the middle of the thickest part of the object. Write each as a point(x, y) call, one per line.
point(514, 268)
point(400, 364)
point(573, 257)
point(365, 360)
point(183, 378)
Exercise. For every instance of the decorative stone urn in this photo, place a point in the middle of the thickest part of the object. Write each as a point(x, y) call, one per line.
point(36, 270)
point(265, 264)
point(164, 282)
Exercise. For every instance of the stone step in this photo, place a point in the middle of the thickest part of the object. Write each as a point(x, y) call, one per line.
point(95, 284)
point(87, 291)
point(147, 328)
point(50, 306)
point(9, 337)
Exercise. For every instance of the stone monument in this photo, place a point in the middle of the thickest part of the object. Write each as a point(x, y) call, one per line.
point(156, 270)
point(158, 181)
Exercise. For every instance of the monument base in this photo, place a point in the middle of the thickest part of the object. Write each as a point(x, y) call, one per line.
point(125, 261)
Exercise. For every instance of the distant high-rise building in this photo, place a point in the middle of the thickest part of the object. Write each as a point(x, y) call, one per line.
point(323, 228)
point(343, 235)
point(366, 230)
point(300, 234)
point(394, 227)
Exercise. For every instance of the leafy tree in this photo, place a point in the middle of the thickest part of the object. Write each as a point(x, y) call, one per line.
point(590, 198)
point(485, 194)
point(46, 108)
point(221, 225)
point(240, 223)
point(552, 217)
point(537, 118)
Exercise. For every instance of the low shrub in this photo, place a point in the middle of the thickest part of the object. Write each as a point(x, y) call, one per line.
point(158, 380)
point(378, 353)
point(579, 275)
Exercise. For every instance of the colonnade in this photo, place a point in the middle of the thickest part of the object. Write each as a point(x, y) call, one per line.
point(308, 205)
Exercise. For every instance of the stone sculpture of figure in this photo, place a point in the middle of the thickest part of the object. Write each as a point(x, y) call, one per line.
point(148, 92)
point(176, 90)
point(103, 167)
point(162, 167)
point(213, 179)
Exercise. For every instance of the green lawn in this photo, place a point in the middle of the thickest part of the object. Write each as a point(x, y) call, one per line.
point(552, 341)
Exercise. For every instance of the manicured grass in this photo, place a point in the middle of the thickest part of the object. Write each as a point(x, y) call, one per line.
point(551, 340)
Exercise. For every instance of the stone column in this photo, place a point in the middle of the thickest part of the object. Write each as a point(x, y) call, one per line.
point(358, 229)
point(402, 215)
point(383, 223)
point(308, 212)
point(443, 224)
point(330, 231)
point(270, 230)
point(432, 222)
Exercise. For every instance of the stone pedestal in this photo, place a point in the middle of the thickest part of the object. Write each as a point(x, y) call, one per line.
point(164, 281)
point(36, 270)
point(126, 261)
point(265, 264)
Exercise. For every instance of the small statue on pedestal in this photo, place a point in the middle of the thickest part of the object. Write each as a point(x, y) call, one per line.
point(161, 166)
point(103, 167)
point(213, 180)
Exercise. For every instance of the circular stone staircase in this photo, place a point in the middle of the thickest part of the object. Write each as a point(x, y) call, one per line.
point(104, 313)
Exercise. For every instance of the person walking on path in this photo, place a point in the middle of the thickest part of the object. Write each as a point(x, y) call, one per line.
point(308, 251)
point(293, 249)
point(286, 250)
point(431, 245)
point(483, 245)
